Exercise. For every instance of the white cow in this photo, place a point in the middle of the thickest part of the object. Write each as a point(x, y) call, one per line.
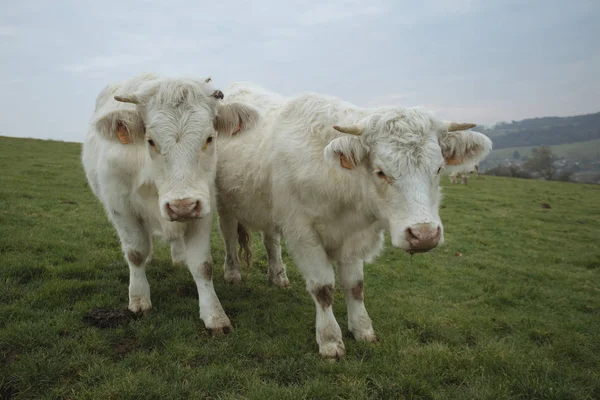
point(150, 158)
point(332, 177)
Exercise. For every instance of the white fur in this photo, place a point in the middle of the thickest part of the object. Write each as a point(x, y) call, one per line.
point(285, 177)
point(135, 181)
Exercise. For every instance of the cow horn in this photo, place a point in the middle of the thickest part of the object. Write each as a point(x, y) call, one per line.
point(351, 130)
point(455, 126)
point(127, 98)
point(218, 95)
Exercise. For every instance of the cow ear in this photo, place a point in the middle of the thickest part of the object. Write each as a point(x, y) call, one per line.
point(345, 152)
point(462, 150)
point(235, 118)
point(124, 126)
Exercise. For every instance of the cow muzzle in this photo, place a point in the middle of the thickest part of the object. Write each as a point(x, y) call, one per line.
point(422, 237)
point(183, 209)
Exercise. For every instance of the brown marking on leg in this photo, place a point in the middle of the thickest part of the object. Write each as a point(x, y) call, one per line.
point(207, 269)
point(324, 295)
point(135, 257)
point(357, 291)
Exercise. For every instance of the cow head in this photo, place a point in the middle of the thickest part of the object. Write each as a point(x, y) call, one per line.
point(176, 122)
point(399, 154)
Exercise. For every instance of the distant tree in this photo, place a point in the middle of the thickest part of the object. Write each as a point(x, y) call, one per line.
point(542, 161)
point(564, 176)
point(512, 171)
point(516, 155)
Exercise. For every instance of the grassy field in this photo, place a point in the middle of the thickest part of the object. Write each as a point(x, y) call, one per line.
point(508, 308)
point(576, 151)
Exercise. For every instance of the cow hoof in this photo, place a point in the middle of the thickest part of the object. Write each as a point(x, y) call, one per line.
point(332, 351)
point(233, 277)
point(365, 336)
point(281, 281)
point(140, 306)
point(214, 332)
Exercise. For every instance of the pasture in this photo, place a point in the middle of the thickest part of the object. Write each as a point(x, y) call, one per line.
point(508, 308)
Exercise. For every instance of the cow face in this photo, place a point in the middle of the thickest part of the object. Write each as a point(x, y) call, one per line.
point(176, 122)
point(400, 155)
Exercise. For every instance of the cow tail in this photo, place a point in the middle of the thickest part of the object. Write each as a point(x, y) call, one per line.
point(245, 241)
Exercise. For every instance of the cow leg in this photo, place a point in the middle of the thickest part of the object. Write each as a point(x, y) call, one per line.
point(311, 259)
point(351, 278)
point(277, 270)
point(178, 251)
point(228, 228)
point(197, 252)
point(136, 243)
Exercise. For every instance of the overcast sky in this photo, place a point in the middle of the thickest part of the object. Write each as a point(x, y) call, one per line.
point(471, 60)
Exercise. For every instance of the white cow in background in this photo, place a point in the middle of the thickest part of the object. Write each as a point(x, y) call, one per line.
point(150, 157)
point(331, 178)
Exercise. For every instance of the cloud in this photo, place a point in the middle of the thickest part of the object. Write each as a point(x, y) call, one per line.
point(336, 11)
point(389, 100)
point(11, 81)
point(132, 49)
point(106, 62)
point(8, 31)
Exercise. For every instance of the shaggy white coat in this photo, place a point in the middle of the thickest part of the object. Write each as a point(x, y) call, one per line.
point(171, 156)
point(285, 177)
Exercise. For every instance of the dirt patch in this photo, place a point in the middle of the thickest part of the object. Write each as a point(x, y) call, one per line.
point(63, 333)
point(124, 347)
point(8, 392)
point(357, 291)
point(103, 318)
point(187, 291)
point(324, 295)
point(8, 356)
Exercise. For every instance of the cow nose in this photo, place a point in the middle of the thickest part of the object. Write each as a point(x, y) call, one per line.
point(183, 209)
point(423, 237)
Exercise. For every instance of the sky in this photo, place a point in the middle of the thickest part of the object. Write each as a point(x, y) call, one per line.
point(479, 61)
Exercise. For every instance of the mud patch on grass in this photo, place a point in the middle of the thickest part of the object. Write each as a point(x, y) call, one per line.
point(8, 356)
point(8, 392)
point(540, 337)
point(424, 334)
point(124, 347)
point(104, 318)
point(187, 291)
point(198, 361)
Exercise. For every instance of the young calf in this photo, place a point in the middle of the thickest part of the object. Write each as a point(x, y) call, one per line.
point(150, 158)
point(331, 178)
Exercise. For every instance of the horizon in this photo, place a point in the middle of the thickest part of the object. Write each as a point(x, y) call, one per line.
point(487, 126)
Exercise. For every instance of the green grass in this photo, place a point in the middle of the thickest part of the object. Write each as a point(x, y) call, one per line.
point(508, 308)
point(576, 151)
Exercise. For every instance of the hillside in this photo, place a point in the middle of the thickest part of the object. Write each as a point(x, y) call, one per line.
point(577, 151)
point(507, 308)
point(545, 131)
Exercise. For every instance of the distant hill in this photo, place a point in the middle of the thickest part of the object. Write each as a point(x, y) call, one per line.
point(544, 131)
point(578, 151)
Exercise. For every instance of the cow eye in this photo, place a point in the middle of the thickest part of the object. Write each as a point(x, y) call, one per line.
point(382, 175)
point(209, 140)
point(439, 170)
point(151, 142)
